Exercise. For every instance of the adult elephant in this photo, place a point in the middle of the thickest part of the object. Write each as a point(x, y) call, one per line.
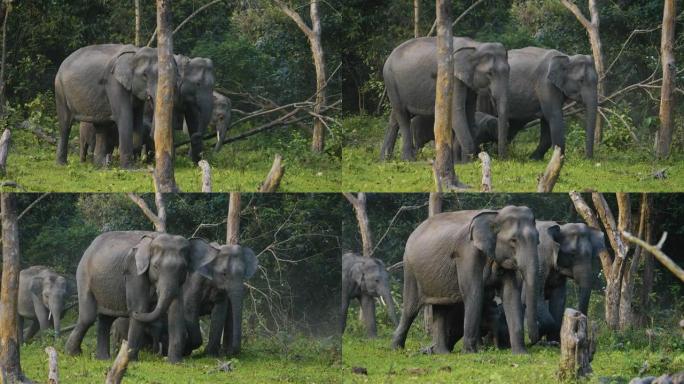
point(220, 295)
point(42, 293)
point(541, 81)
point(410, 75)
point(365, 278)
point(422, 128)
point(123, 274)
point(106, 85)
point(444, 263)
point(565, 251)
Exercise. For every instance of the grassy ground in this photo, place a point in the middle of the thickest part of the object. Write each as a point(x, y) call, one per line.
point(302, 360)
point(611, 169)
point(239, 166)
point(618, 359)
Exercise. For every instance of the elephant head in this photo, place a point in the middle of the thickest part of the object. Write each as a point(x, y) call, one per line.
point(196, 95)
point(230, 267)
point(576, 244)
point(50, 291)
point(485, 68)
point(576, 77)
point(165, 259)
point(509, 236)
point(136, 70)
point(371, 276)
point(221, 118)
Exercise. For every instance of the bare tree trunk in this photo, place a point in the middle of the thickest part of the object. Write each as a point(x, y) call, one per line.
point(416, 18)
point(3, 57)
point(592, 28)
point(4, 149)
point(233, 219)
point(163, 111)
point(434, 208)
point(53, 366)
point(647, 275)
point(359, 204)
point(627, 315)
point(667, 91)
point(578, 345)
point(10, 362)
point(444, 142)
point(313, 34)
point(137, 22)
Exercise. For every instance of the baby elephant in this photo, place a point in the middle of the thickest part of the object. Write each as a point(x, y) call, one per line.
point(422, 128)
point(155, 335)
point(42, 293)
point(365, 278)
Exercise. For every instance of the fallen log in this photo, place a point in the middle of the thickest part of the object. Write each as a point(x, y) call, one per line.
point(116, 373)
point(548, 179)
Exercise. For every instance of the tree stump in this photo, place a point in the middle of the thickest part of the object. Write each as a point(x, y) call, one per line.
point(486, 172)
point(116, 373)
point(578, 344)
point(53, 370)
point(276, 173)
point(4, 149)
point(548, 179)
point(206, 176)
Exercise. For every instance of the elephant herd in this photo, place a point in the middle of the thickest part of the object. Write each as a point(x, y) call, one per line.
point(110, 90)
point(507, 89)
point(149, 288)
point(485, 273)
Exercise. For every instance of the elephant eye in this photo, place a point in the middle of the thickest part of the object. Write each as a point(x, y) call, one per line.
point(513, 241)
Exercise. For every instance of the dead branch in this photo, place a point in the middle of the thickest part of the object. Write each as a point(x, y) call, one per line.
point(486, 172)
point(272, 181)
point(142, 204)
point(53, 369)
point(33, 203)
point(458, 19)
point(656, 251)
point(187, 19)
point(116, 373)
point(4, 149)
point(206, 175)
point(401, 209)
point(548, 179)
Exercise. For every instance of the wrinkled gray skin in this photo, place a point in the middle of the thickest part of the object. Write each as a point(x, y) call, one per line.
point(106, 85)
point(133, 274)
point(87, 140)
point(423, 131)
point(221, 296)
point(494, 329)
point(220, 119)
point(364, 279)
point(565, 251)
point(410, 74)
point(42, 294)
point(541, 81)
point(155, 335)
point(444, 263)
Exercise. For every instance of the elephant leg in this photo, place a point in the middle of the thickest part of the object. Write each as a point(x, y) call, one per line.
point(471, 107)
point(33, 329)
point(553, 114)
point(176, 331)
point(87, 314)
point(513, 309)
point(472, 289)
point(219, 318)
point(344, 308)
point(102, 144)
point(390, 138)
point(460, 120)
point(409, 312)
point(20, 329)
point(407, 147)
point(228, 330)
point(124, 116)
point(439, 329)
point(65, 120)
point(104, 326)
point(454, 325)
point(368, 312)
point(557, 307)
point(544, 141)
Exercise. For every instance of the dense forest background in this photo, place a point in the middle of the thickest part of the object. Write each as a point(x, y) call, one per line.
point(629, 30)
point(295, 237)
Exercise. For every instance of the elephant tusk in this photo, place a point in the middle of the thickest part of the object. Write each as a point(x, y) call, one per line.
point(383, 301)
point(49, 315)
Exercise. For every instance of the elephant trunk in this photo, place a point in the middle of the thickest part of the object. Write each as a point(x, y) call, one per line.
point(221, 129)
point(590, 100)
point(391, 311)
point(532, 288)
point(583, 276)
point(56, 307)
point(501, 97)
point(162, 306)
point(236, 297)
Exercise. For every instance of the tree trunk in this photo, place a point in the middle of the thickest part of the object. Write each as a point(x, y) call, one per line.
point(664, 137)
point(434, 207)
point(137, 22)
point(4, 149)
point(416, 18)
point(272, 181)
point(627, 316)
point(444, 160)
point(206, 175)
point(486, 185)
point(233, 219)
point(53, 367)
point(3, 56)
point(163, 110)
point(359, 204)
point(550, 176)
point(578, 345)
point(9, 330)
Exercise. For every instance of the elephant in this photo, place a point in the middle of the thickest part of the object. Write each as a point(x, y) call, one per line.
point(565, 251)
point(42, 293)
point(541, 81)
point(365, 278)
point(221, 296)
point(87, 140)
point(123, 274)
point(444, 266)
point(410, 78)
point(422, 128)
point(106, 85)
point(155, 335)
point(220, 118)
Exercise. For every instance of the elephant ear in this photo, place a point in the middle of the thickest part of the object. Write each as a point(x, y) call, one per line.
point(251, 262)
point(597, 240)
point(142, 254)
point(122, 67)
point(463, 65)
point(557, 71)
point(202, 254)
point(554, 231)
point(482, 231)
point(36, 286)
point(358, 275)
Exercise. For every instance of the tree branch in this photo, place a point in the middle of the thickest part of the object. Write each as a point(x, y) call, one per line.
point(656, 251)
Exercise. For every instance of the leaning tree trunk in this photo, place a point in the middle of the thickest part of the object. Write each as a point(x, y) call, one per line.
point(359, 204)
point(669, 75)
point(163, 109)
point(233, 219)
point(10, 363)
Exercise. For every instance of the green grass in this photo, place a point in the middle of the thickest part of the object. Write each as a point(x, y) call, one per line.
point(239, 166)
point(615, 359)
point(611, 170)
point(301, 360)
